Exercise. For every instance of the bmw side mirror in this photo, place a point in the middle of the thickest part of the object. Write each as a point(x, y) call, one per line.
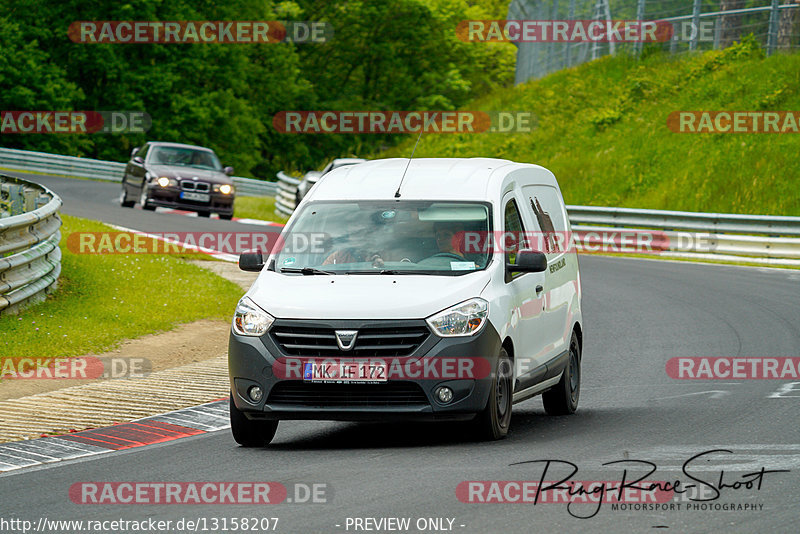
point(251, 261)
point(529, 261)
point(228, 171)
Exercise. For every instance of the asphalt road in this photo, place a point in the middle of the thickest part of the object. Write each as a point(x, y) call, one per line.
point(99, 201)
point(638, 314)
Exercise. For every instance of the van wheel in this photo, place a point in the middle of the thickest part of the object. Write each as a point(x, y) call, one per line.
point(492, 423)
point(249, 433)
point(123, 198)
point(563, 399)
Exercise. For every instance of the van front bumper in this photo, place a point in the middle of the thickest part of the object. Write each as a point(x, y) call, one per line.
point(255, 361)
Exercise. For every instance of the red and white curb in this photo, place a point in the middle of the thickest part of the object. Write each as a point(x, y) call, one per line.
point(148, 431)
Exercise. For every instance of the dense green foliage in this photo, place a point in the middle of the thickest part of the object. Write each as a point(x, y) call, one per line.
point(602, 129)
point(398, 55)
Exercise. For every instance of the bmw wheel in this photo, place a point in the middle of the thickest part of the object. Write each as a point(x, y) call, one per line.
point(143, 201)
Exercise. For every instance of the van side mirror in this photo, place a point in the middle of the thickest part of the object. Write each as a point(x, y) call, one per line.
point(135, 150)
point(529, 261)
point(251, 261)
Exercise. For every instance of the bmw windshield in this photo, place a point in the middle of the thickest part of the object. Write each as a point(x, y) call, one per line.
point(185, 157)
point(385, 237)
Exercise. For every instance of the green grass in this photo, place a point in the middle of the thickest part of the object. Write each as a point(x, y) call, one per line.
point(262, 208)
point(104, 299)
point(602, 129)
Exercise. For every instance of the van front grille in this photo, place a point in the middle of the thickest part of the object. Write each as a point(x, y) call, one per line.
point(370, 341)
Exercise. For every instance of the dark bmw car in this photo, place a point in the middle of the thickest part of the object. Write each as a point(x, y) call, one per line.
point(174, 175)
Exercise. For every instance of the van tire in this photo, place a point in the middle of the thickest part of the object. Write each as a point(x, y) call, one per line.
point(249, 433)
point(493, 421)
point(563, 399)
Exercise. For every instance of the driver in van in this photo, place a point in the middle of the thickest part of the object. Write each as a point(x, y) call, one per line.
point(450, 238)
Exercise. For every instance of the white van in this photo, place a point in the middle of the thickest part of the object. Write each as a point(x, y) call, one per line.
point(424, 289)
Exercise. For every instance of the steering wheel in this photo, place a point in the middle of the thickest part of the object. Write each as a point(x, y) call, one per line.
point(447, 255)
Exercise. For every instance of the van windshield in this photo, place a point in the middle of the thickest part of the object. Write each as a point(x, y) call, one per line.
point(385, 237)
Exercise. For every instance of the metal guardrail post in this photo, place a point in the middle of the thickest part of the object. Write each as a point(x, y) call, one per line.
point(570, 16)
point(772, 39)
point(640, 17)
point(695, 24)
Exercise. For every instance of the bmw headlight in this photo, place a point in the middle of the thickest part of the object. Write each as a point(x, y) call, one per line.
point(464, 319)
point(250, 320)
point(163, 181)
point(225, 189)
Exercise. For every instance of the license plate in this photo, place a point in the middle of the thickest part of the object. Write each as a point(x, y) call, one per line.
point(200, 197)
point(344, 372)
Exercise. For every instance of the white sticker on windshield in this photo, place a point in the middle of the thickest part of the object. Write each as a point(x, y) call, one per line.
point(462, 265)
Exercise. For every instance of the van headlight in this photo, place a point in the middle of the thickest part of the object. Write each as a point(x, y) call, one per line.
point(250, 320)
point(464, 319)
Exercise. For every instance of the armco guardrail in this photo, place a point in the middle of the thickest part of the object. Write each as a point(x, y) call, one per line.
point(767, 239)
point(285, 198)
point(685, 220)
point(111, 171)
point(30, 259)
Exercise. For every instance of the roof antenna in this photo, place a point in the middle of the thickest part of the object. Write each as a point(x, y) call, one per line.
point(397, 193)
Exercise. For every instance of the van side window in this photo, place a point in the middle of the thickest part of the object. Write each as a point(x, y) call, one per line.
point(549, 238)
point(513, 233)
point(548, 214)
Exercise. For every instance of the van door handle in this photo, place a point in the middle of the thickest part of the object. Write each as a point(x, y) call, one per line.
point(539, 289)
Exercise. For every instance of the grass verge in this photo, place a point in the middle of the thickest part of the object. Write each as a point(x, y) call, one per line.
point(104, 299)
point(262, 208)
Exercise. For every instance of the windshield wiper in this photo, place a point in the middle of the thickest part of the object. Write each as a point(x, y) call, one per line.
point(382, 271)
point(304, 270)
